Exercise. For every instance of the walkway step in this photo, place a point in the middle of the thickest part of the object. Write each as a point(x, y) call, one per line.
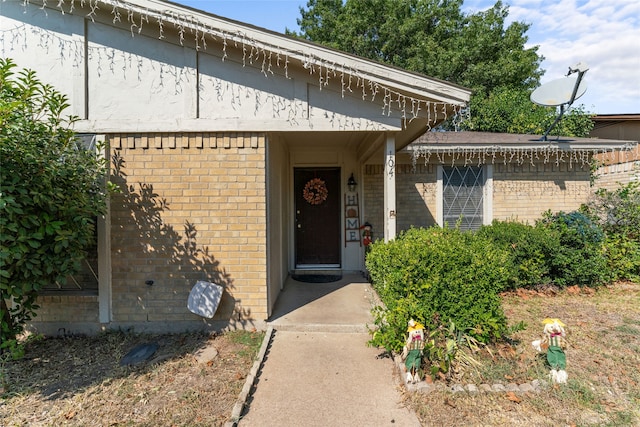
point(320, 327)
point(325, 379)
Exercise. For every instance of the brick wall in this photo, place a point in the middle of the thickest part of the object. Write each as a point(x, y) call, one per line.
point(613, 176)
point(415, 196)
point(524, 192)
point(54, 308)
point(193, 208)
point(520, 192)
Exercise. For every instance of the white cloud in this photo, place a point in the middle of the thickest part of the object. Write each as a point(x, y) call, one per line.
point(602, 33)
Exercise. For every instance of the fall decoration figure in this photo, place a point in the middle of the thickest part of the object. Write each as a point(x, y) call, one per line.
point(412, 351)
point(553, 342)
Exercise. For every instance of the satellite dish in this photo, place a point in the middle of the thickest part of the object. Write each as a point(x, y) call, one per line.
point(558, 92)
point(561, 92)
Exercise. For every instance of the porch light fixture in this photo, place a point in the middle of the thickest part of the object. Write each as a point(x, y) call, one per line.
point(351, 183)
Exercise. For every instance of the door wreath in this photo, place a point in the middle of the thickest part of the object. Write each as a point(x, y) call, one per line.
point(315, 191)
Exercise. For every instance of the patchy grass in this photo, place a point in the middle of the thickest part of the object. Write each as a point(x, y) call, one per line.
point(78, 381)
point(603, 363)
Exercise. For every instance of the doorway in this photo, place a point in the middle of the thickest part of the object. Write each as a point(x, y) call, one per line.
point(317, 217)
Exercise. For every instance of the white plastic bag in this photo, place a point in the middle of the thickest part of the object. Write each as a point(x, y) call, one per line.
point(204, 298)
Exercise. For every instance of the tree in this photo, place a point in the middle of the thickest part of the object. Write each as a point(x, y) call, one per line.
point(436, 38)
point(51, 191)
point(510, 110)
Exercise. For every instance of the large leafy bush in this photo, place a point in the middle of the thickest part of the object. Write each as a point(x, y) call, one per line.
point(580, 258)
point(529, 248)
point(51, 191)
point(438, 275)
point(617, 212)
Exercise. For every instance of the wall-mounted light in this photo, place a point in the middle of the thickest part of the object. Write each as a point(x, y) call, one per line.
point(351, 183)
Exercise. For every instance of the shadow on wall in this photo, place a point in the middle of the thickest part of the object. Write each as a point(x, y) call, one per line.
point(146, 248)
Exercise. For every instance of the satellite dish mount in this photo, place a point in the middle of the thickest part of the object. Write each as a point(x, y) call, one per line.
point(561, 92)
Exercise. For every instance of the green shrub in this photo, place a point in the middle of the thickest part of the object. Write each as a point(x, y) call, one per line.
point(580, 258)
point(623, 257)
point(438, 275)
point(617, 212)
point(529, 248)
point(51, 191)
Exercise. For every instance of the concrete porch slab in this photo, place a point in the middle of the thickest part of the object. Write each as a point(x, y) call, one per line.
point(342, 306)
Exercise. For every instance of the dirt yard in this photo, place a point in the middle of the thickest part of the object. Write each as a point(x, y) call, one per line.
point(78, 381)
point(603, 364)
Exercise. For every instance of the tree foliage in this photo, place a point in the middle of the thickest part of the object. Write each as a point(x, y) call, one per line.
point(509, 110)
point(435, 37)
point(51, 191)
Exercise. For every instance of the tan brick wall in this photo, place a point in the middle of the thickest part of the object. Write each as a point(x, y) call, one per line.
point(524, 192)
point(192, 208)
point(415, 196)
point(54, 308)
point(521, 192)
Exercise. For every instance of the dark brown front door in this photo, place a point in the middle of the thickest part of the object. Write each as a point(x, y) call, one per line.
point(317, 219)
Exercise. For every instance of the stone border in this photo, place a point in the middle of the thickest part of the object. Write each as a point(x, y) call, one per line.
point(424, 387)
point(236, 413)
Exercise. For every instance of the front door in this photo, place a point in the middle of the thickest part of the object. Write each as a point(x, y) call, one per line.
point(317, 219)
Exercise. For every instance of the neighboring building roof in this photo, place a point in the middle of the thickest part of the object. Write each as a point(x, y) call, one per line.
point(615, 117)
point(619, 126)
point(602, 121)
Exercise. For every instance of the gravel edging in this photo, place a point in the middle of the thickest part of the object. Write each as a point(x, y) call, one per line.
point(236, 412)
point(424, 387)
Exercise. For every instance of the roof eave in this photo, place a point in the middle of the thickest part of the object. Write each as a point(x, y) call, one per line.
point(483, 141)
point(407, 82)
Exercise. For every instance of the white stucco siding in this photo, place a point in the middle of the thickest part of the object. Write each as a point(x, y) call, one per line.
point(121, 80)
point(229, 90)
point(49, 43)
point(348, 112)
point(139, 76)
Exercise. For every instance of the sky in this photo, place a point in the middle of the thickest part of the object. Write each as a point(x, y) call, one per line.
point(604, 34)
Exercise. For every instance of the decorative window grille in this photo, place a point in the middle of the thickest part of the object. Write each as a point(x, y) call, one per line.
point(463, 196)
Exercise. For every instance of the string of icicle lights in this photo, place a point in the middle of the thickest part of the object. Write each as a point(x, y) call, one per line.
point(573, 157)
point(264, 55)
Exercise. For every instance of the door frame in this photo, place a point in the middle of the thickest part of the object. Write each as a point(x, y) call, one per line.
point(293, 221)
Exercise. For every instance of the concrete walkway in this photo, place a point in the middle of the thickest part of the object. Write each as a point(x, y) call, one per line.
point(318, 370)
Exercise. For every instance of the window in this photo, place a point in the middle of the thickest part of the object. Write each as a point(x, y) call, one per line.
point(86, 281)
point(464, 200)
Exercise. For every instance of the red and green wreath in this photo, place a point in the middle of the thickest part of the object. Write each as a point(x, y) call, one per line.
point(315, 191)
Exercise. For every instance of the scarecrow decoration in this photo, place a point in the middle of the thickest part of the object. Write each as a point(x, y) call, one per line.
point(553, 341)
point(412, 351)
point(367, 234)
